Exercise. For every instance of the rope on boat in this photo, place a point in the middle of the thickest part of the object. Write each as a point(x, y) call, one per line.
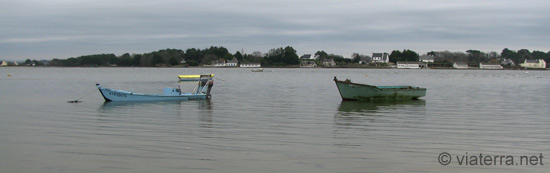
point(79, 99)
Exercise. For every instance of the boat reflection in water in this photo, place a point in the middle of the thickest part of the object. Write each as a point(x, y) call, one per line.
point(373, 106)
point(155, 109)
point(141, 105)
point(356, 113)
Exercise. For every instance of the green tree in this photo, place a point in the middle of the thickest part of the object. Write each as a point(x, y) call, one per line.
point(275, 57)
point(194, 54)
point(137, 60)
point(193, 63)
point(524, 54)
point(406, 55)
point(339, 59)
point(510, 54)
point(125, 60)
point(541, 55)
point(282, 57)
point(355, 57)
point(409, 55)
point(239, 56)
point(290, 56)
point(321, 55)
point(174, 61)
point(228, 56)
point(157, 59)
point(395, 56)
point(38, 63)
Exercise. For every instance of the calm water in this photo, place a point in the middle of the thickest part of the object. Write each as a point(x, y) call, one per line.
point(281, 120)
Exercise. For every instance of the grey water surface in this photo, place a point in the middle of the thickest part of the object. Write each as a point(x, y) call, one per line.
point(279, 120)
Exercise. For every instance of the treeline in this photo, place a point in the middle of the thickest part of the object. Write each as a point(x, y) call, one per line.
point(523, 54)
point(406, 55)
point(474, 57)
point(283, 57)
point(190, 57)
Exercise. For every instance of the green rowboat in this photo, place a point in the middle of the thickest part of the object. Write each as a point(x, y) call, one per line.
point(355, 91)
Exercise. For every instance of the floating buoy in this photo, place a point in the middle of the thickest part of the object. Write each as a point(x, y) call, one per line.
point(526, 72)
point(9, 74)
point(366, 75)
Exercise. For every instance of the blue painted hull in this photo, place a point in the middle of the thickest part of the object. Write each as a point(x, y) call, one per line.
point(120, 95)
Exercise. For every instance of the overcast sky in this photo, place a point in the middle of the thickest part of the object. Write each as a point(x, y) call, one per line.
point(39, 29)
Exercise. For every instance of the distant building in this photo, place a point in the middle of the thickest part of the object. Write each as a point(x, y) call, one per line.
point(534, 63)
point(460, 65)
point(426, 58)
point(329, 63)
point(221, 63)
point(232, 63)
point(490, 66)
point(305, 57)
point(308, 64)
point(365, 60)
point(380, 58)
point(251, 65)
point(507, 61)
point(218, 63)
point(4, 63)
point(410, 64)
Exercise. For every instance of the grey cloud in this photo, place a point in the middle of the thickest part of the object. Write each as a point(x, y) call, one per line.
point(63, 29)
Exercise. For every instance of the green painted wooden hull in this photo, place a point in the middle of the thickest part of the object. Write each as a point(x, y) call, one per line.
point(355, 91)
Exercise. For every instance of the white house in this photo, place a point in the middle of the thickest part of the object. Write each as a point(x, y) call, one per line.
point(309, 64)
point(218, 63)
point(534, 63)
point(251, 65)
point(490, 66)
point(329, 63)
point(4, 63)
point(380, 58)
point(305, 57)
point(231, 63)
point(410, 64)
point(460, 65)
point(426, 58)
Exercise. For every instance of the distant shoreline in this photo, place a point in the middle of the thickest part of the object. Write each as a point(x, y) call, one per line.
point(475, 68)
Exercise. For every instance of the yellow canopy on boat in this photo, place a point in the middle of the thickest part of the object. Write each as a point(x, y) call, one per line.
point(192, 76)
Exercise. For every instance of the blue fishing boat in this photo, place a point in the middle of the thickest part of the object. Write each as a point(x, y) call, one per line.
point(201, 91)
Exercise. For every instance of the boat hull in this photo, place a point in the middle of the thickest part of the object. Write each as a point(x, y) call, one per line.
point(355, 91)
point(120, 95)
